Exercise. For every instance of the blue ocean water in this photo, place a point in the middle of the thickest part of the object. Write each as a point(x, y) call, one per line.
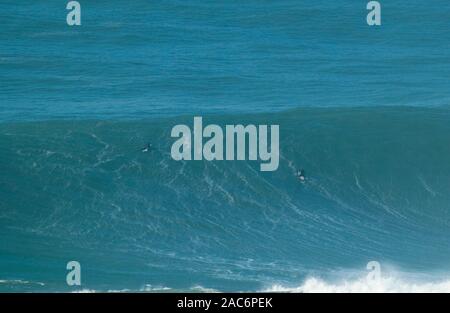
point(364, 110)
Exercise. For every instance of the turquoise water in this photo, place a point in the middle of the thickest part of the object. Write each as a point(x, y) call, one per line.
point(143, 58)
point(363, 110)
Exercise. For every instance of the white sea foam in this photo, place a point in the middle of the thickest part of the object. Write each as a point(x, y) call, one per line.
point(146, 288)
point(20, 282)
point(150, 288)
point(391, 284)
point(199, 288)
point(85, 291)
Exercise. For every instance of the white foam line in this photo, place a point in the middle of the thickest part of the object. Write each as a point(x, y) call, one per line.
point(383, 285)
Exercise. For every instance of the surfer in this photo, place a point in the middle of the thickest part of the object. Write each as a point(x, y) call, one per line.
point(301, 175)
point(147, 148)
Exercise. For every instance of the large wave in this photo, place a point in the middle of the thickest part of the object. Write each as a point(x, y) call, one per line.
point(377, 189)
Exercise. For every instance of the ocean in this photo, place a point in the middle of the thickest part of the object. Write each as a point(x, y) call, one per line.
point(364, 110)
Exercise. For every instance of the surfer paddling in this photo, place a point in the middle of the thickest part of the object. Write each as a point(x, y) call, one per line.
point(147, 148)
point(301, 175)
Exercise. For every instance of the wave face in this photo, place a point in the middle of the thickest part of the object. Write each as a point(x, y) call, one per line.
point(377, 189)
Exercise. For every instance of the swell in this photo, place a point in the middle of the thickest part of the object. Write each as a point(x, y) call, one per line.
point(377, 182)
